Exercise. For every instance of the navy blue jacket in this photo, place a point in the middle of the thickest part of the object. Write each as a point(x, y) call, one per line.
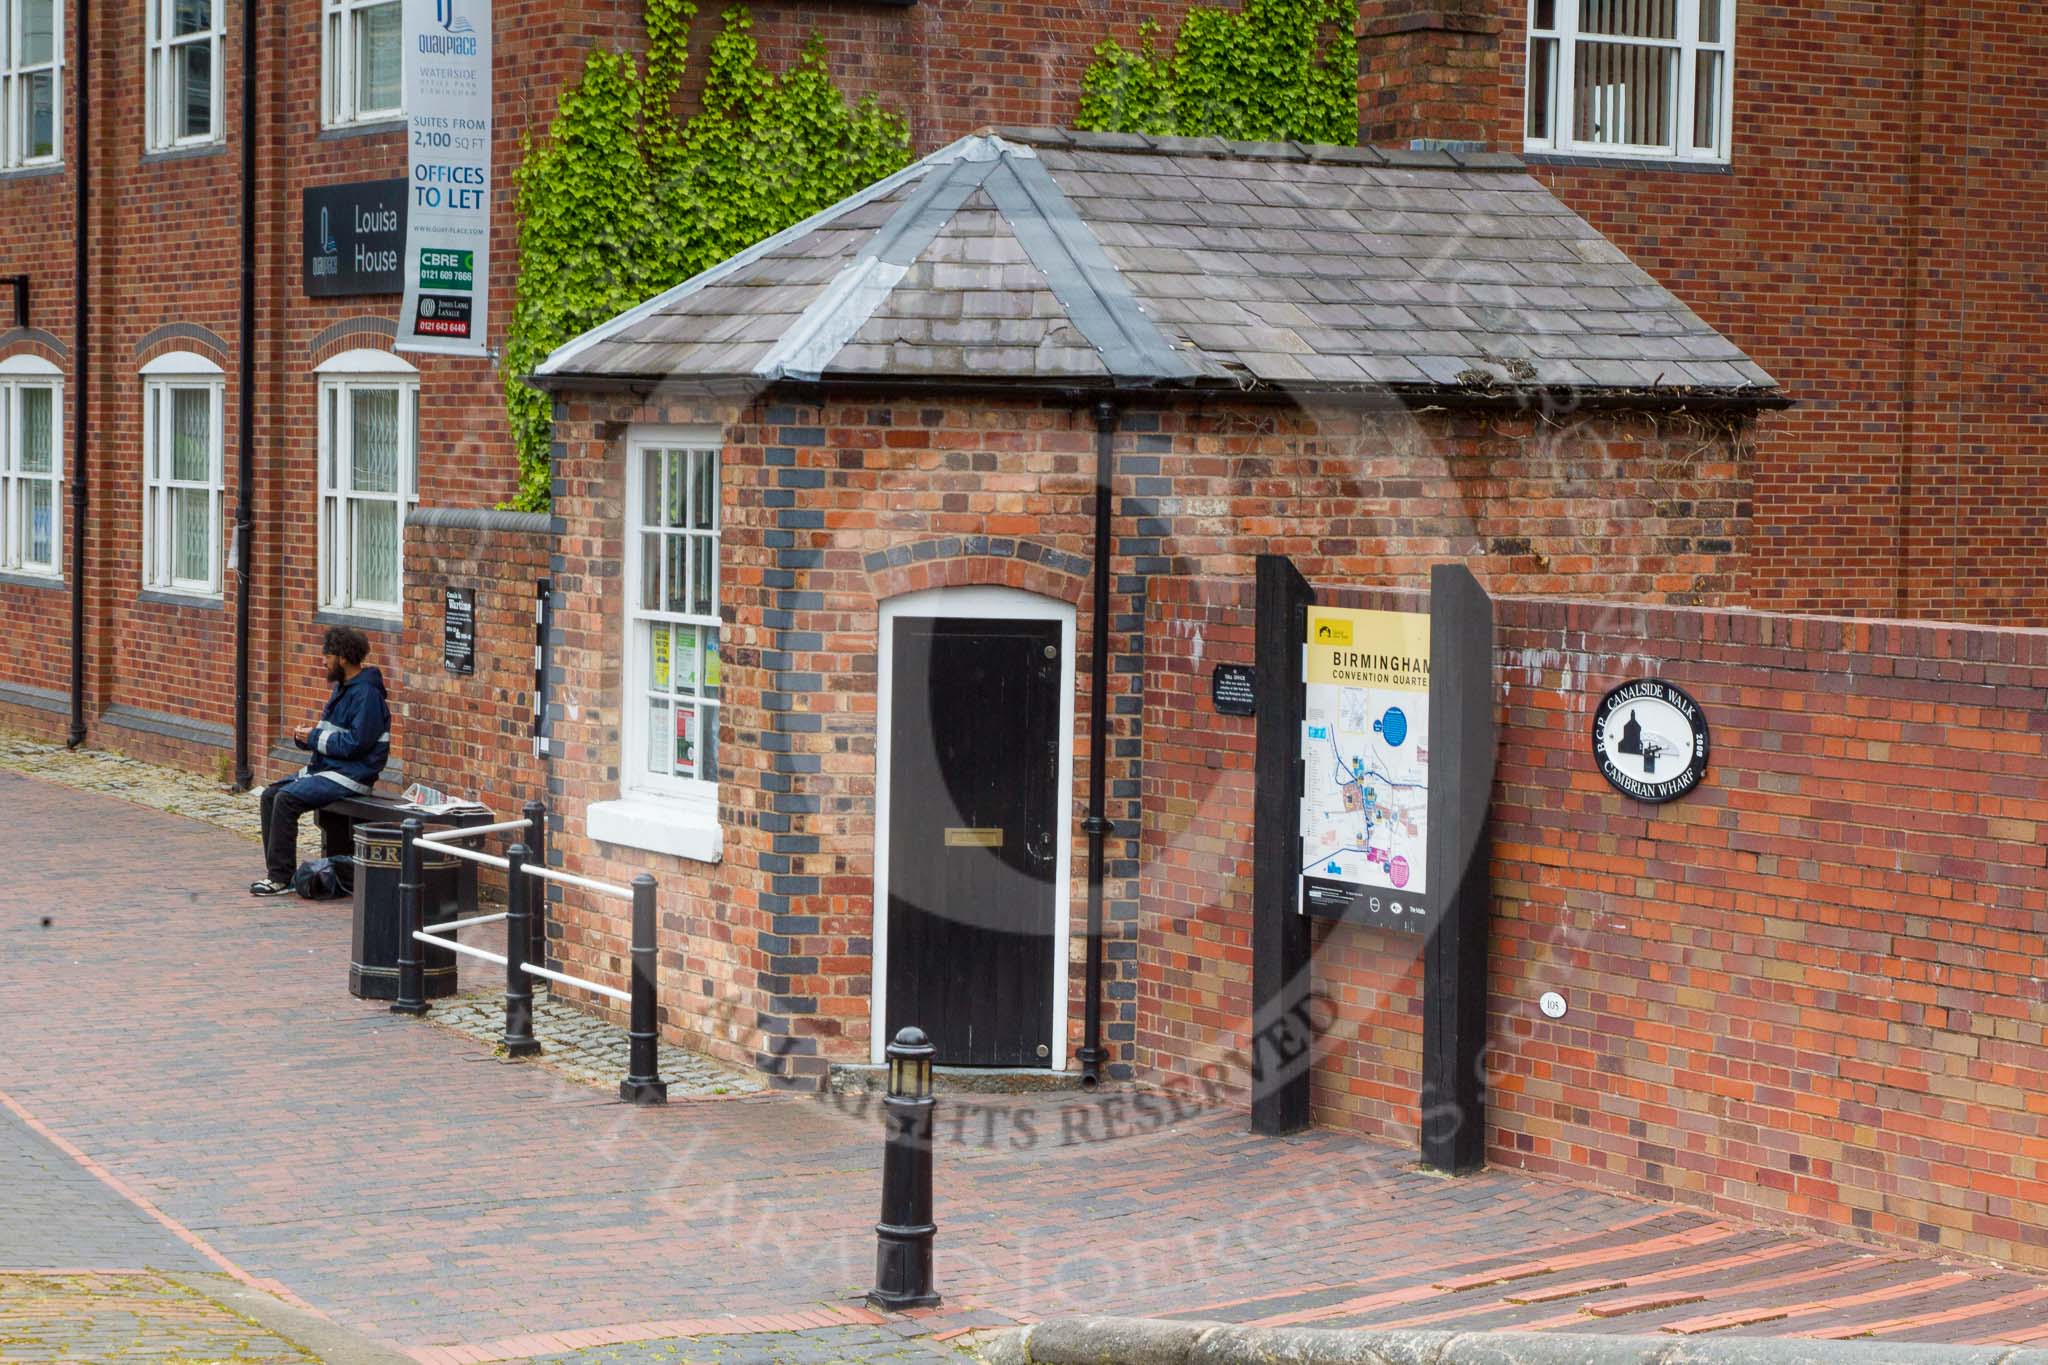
point(352, 742)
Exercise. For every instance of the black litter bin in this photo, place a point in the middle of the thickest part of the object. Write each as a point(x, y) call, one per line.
point(373, 957)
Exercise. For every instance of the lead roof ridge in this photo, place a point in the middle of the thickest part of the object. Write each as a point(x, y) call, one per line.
point(1225, 149)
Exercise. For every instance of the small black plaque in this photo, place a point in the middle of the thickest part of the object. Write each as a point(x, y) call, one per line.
point(458, 631)
point(1235, 689)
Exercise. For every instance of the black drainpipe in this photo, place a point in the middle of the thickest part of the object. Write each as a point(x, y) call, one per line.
point(245, 483)
point(79, 373)
point(1097, 824)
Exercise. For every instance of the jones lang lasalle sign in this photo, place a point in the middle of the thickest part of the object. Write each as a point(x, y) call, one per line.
point(355, 238)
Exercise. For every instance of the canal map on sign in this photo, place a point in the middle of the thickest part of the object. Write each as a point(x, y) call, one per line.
point(1365, 752)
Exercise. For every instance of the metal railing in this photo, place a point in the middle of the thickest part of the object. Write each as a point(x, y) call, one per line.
point(524, 865)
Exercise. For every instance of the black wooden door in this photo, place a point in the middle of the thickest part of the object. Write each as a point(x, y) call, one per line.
point(973, 836)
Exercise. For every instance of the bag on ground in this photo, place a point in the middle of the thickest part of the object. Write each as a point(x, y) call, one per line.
point(325, 879)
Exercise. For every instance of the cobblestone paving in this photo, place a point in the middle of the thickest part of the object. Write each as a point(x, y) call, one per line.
point(585, 1048)
point(146, 784)
point(89, 1318)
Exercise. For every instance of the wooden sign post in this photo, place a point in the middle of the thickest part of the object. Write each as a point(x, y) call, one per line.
point(1375, 884)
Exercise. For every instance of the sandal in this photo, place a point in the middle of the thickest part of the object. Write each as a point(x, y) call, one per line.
point(266, 887)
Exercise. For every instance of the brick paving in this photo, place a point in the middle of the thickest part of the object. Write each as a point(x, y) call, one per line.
point(201, 1047)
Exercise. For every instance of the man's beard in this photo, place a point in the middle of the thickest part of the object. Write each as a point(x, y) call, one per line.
point(335, 673)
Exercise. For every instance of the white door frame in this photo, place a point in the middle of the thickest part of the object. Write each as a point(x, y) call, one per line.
point(989, 604)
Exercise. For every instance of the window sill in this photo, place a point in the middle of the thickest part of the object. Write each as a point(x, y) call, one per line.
point(41, 170)
point(673, 827)
point(166, 597)
point(386, 625)
point(15, 578)
point(1628, 163)
point(394, 123)
point(217, 147)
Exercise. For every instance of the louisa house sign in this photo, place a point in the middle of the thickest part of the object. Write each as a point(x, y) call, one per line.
point(1650, 740)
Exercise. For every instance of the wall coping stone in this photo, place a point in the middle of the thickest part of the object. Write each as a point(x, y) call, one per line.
point(1143, 1341)
point(482, 519)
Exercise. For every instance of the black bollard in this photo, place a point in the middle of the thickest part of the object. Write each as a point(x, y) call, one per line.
point(903, 1239)
point(412, 984)
point(536, 816)
point(642, 1085)
point(519, 1039)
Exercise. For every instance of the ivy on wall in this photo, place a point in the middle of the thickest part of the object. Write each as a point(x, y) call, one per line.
point(623, 199)
point(1276, 70)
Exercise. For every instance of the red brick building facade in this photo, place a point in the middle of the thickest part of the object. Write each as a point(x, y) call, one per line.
point(1867, 237)
point(1867, 231)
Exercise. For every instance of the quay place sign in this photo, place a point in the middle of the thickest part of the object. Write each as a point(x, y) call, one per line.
point(355, 238)
point(1650, 740)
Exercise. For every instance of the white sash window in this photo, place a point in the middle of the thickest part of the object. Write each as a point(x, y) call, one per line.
point(31, 82)
point(182, 78)
point(31, 467)
point(181, 475)
point(369, 478)
point(361, 76)
point(1635, 78)
point(673, 671)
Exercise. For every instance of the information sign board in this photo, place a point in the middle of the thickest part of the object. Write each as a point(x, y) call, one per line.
point(1365, 768)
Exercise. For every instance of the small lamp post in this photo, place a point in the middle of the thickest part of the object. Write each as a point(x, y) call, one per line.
point(903, 1239)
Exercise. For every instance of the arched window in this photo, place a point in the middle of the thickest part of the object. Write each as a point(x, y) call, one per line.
point(31, 466)
point(181, 474)
point(369, 476)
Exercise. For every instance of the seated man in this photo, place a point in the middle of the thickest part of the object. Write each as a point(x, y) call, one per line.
point(349, 748)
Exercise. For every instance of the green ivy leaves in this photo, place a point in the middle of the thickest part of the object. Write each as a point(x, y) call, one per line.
point(623, 200)
point(1277, 70)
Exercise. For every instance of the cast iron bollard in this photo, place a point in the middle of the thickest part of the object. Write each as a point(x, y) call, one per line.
point(519, 1039)
point(536, 816)
point(412, 984)
point(903, 1239)
point(642, 1084)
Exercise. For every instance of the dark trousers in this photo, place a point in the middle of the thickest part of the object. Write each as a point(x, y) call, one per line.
point(284, 801)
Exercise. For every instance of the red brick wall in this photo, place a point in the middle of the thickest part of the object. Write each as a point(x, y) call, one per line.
point(831, 509)
point(165, 249)
point(1809, 992)
point(471, 735)
point(1428, 69)
point(1867, 246)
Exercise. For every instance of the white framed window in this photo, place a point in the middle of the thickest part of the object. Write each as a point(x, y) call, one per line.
point(31, 466)
point(369, 477)
point(361, 76)
point(182, 81)
point(31, 83)
point(181, 474)
point(1634, 78)
point(673, 672)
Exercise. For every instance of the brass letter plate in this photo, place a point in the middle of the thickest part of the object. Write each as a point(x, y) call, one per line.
point(960, 837)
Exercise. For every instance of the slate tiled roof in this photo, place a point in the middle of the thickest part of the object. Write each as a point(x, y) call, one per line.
point(1043, 256)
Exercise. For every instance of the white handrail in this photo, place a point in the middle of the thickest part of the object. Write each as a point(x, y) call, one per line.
point(577, 982)
point(452, 945)
point(469, 855)
point(461, 923)
point(605, 888)
point(442, 836)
